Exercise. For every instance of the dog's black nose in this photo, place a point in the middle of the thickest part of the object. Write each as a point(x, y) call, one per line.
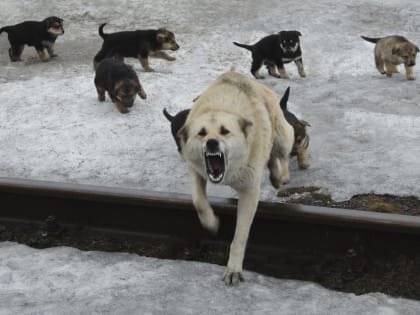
point(212, 145)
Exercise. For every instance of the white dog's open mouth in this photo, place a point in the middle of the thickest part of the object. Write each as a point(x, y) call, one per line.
point(214, 155)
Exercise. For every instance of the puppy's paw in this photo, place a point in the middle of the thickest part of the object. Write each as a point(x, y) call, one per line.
point(275, 182)
point(149, 69)
point(53, 55)
point(101, 98)
point(411, 77)
point(303, 166)
point(171, 58)
point(285, 179)
point(232, 277)
point(302, 74)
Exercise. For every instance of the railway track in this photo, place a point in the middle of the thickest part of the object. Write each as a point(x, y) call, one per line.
point(343, 249)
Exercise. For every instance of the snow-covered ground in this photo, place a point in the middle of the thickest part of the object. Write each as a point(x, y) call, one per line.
point(64, 280)
point(365, 127)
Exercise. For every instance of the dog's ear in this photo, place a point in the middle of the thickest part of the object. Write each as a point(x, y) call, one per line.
point(245, 125)
point(304, 123)
point(396, 50)
point(160, 37)
point(417, 49)
point(298, 33)
point(182, 134)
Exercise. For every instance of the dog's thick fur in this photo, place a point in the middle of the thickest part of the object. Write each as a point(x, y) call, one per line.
point(140, 44)
point(121, 83)
point(274, 51)
point(40, 34)
point(233, 129)
point(301, 141)
point(177, 122)
point(391, 51)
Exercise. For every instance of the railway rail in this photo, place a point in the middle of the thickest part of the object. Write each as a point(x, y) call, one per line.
point(343, 249)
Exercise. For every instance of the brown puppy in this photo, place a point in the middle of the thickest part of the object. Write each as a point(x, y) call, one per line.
point(140, 44)
point(121, 83)
point(394, 50)
point(41, 35)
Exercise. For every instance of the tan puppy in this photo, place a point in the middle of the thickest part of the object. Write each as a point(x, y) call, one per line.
point(394, 50)
point(232, 130)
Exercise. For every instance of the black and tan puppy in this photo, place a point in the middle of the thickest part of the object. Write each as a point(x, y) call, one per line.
point(177, 122)
point(391, 51)
point(140, 44)
point(301, 142)
point(121, 83)
point(274, 51)
point(41, 35)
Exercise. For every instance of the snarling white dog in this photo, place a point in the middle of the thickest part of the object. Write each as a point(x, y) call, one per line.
point(233, 129)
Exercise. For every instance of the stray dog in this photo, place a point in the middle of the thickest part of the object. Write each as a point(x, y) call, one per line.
point(177, 122)
point(138, 44)
point(391, 51)
point(301, 143)
point(121, 83)
point(41, 35)
point(274, 51)
point(233, 129)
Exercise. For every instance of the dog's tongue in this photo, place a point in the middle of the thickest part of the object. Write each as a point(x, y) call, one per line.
point(216, 165)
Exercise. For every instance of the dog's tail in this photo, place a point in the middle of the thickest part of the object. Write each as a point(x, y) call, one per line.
point(4, 29)
point(101, 31)
point(249, 47)
point(370, 39)
point(167, 115)
point(284, 99)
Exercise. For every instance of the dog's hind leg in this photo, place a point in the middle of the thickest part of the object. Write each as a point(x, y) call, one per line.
point(390, 69)
point(255, 67)
point(379, 63)
point(15, 52)
point(205, 213)
point(247, 206)
point(101, 93)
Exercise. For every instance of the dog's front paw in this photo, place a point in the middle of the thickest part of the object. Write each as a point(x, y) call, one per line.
point(232, 277)
point(303, 166)
point(53, 55)
point(211, 224)
point(149, 69)
point(171, 58)
point(411, 77)
point(302, 74)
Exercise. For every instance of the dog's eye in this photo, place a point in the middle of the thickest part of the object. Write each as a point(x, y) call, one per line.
point(202, 132)
point(223, 131)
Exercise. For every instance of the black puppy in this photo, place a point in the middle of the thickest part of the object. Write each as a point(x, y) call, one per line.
point(41, 35)
point(121, 83)
point(301, 143)
point(138, 44)
point(177, 122)
point(276, 50)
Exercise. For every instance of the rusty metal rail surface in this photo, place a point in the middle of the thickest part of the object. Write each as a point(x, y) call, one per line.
point(279, 230)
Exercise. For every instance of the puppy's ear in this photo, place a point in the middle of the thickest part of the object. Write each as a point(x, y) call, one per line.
point(304, 123)
point(417, 49)
point(245, 125)
point(396, 50)
point(298, 33)
point(182, 134)
point(161, 35)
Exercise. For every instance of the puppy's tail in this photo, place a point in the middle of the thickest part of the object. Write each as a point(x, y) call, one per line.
point(249, 47)
point(284, 99)
point(4, 29)
point(370, 39)
point(101, 31)
point(167, 115)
